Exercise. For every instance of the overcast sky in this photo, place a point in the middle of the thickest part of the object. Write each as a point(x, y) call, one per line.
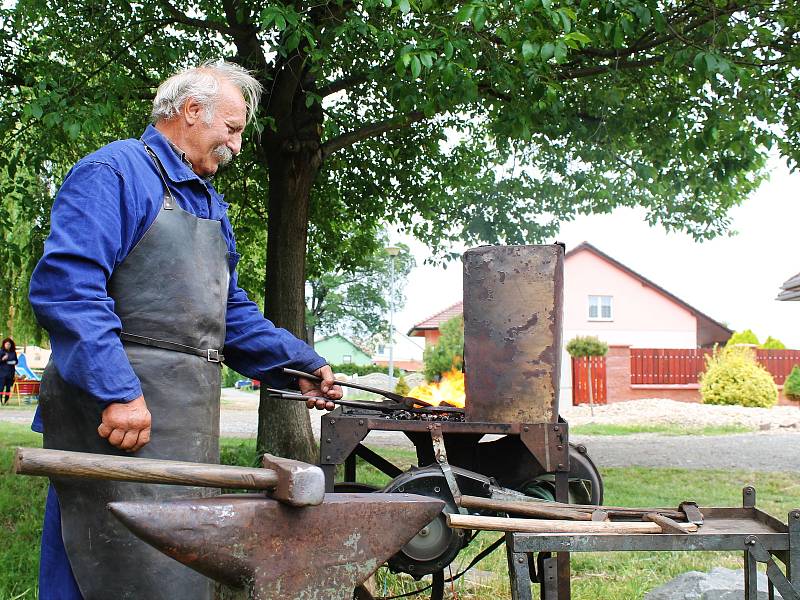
point(732, 279)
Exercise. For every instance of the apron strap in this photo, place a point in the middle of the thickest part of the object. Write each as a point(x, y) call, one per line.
point(169, 201)
point(210, 354)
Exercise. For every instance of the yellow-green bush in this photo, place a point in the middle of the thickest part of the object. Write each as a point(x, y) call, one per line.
point(791, 387)
point(733, 376)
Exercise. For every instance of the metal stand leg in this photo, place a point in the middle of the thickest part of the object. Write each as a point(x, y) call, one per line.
point(519, 571)
point(548, 576)
point(793, 561)
point(750, 577)
point(563, 562)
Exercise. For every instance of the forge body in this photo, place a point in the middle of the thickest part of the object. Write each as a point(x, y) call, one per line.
point(512, 344)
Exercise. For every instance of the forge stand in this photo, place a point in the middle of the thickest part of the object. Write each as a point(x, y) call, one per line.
point(525, 452)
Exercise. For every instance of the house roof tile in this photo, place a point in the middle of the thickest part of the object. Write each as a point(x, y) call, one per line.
point(434, 321)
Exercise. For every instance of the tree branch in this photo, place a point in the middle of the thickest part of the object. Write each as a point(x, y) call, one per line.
point(368, 131)
point(178, 17)
point(622, 65)
point(9, 78)
point(342, 84)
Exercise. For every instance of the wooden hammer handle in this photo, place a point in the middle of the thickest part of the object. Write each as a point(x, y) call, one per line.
point(60, 463)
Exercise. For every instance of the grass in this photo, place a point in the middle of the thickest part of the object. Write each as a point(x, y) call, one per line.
point(658, 428)
point(611, 576)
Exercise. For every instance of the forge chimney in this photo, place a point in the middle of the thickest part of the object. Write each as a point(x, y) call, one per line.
point(512, 332)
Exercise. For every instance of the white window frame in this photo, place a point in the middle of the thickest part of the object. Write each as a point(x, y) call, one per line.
point(597, 301)
point(347, 359)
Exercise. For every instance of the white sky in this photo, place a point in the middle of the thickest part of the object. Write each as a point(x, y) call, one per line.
point(732, 279)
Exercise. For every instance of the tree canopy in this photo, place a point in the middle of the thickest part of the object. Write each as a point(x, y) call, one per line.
point(481, 121)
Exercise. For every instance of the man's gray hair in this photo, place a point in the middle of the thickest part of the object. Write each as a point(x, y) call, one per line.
point(202, 84)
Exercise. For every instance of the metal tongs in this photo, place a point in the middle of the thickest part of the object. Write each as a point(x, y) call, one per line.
point(399, 402)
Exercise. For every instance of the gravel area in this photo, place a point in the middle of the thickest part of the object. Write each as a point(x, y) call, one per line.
point(689, 414)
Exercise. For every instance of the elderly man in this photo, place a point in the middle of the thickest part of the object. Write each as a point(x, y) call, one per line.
point(138, 289)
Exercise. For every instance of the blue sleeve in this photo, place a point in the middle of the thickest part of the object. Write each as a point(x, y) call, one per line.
point(93, 222)
point(254, 346)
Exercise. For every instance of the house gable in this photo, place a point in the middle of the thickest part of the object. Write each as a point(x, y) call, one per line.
point(337, 349)
point(643, 305)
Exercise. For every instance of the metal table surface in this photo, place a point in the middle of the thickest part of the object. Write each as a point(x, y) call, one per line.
point(759, 535)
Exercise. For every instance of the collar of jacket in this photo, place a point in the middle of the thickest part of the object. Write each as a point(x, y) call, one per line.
point(176, 169)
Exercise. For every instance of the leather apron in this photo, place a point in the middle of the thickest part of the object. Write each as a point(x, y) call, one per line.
point(170, 293)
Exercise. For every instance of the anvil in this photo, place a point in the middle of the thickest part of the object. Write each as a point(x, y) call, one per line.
point(278, 551)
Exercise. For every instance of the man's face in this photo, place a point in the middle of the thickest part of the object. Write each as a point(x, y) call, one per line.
point(213, 143)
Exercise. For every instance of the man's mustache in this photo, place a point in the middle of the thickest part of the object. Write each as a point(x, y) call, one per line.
point(224, 154)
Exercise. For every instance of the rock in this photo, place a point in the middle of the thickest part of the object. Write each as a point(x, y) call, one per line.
point(719, 584)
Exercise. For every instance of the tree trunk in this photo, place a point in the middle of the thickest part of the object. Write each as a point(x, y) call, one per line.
point(284, 428)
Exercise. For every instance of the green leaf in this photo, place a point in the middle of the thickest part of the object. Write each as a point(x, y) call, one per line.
point(280, 22)
point(448, 49)
point(464, 13)
point(416, 66)
point(547, 50)
point(565, 22)
point(404, 6)
point(560, 52)
point(547, 4)
point(579, 37)
point(479, 18)
point(36, 110)
point(528, 50)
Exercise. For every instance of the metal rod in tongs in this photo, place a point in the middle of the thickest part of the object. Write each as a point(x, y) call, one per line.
point(405, 401)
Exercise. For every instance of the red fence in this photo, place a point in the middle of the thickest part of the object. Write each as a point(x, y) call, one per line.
point(667, 366)
point(580, 380)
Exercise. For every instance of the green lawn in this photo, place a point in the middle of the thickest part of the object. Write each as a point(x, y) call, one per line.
point(659, 428)
point(617, 576)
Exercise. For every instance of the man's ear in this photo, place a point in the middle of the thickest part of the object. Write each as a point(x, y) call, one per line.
point(192, 111)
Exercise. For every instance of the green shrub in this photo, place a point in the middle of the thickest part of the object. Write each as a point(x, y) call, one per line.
point(448, 353)
point(230, 377)
point(402, 387)
point(588, 345)
point(743, 337)
point(791, 387)
point(772, 343)
point(733, 376)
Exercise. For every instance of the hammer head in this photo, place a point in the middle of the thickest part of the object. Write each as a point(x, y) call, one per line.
point(299, 483)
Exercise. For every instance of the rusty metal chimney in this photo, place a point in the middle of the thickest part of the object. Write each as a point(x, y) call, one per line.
point(512, 333)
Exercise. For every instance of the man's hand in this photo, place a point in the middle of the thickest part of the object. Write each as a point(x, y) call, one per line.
point(126, 425)
point(327, 388)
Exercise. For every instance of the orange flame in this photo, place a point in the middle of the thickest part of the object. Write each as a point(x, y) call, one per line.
point(450, 390)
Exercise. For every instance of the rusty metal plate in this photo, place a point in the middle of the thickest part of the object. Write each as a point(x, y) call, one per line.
point(278, 551)
point(512, 332)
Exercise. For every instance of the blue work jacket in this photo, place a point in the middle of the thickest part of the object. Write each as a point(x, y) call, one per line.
point(100, 212)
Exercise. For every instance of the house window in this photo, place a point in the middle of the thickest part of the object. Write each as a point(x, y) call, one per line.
point(600, 308)
point(347, 359)
point(381, 349)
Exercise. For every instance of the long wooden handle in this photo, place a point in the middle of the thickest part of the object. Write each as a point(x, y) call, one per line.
point(60, 463)
point(458, 521)
point(530, 509)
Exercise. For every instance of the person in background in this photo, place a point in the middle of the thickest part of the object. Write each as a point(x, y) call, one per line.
point(8, 364)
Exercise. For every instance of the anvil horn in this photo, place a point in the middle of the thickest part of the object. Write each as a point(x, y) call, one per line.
point(278, 551)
